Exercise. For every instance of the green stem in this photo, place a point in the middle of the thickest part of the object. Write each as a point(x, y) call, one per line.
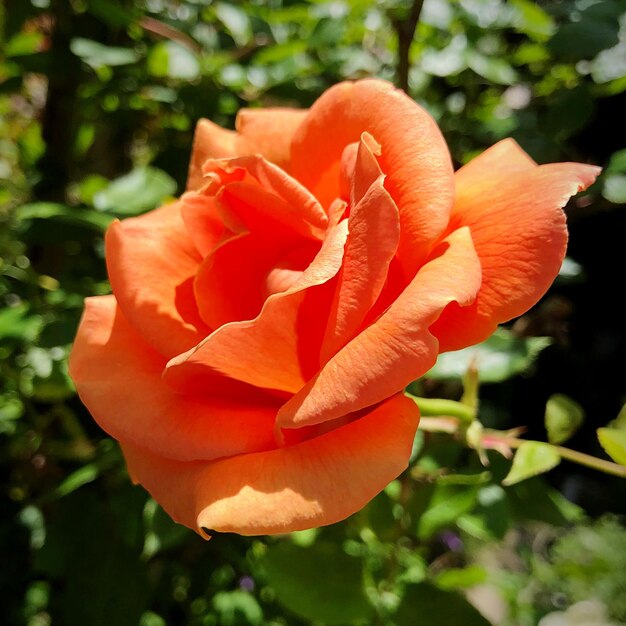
point(581, 458)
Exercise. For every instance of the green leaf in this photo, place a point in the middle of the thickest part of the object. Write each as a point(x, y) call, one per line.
point(234, 605)
point(620, 421)
point(104, 582)
point(610, 64)
point(448, 61)
point(614, 188)
point(172, 60)
point(494, 69)
point(447, 504)
point(532, 20)
point(163, 533)
point(491, 516)
point(596, 30)
point(82, 476)
point(23, 44)
point(464, 479)
point(321, 583)
point(501, 356)
point(141, 190)
point(569, 111)
point(532, 458)
point(110, 12)
point(534, 500)
point(461, 578)
point(73, 215)
point(563, 417)
point(425, 603)
point(614, 443)
point(109, 456)
point(379, 514)
point(617, 163)
point(16, 323)
point(236, 22)
point(98, 55)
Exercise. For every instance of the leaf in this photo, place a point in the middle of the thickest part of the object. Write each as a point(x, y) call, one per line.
point(532, 458)
point(569, 112)
point(496, 70)
point(379, 514)
point(614, 188)
point(236, 22)
point(98, 55)
point(425, 603)
point(614, 443)
point(446, 62)
point(501, 356)
point(534, 500)
point(460, 578)
point(23, 44)
point(532, 20)
point(17, 324)
point(141, 190)
point(610, 64)
point(491, 517)
point(617, 162)
point(82, 476)
point(111, 12)
point(320, 583)
point(447, 504)
point(563, 417)
point(173, 60)
point(73, 215)
point(620, 421)
point(596, 30)
point(232, 604)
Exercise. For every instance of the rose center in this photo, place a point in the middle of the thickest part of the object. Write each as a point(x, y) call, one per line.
point(287, 271)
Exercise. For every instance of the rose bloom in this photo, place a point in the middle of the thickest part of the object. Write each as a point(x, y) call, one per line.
point(252, 358)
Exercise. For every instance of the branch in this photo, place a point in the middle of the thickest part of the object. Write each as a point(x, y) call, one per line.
point(405, 29)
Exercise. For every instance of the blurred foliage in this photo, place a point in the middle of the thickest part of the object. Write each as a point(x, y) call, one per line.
point(98, 101)
point(583, 563)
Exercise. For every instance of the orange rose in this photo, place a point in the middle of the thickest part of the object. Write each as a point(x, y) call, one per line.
point(252, 357)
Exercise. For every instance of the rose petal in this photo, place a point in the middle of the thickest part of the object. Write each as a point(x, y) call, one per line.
point(414, 157)
point(235, 280)
point(202, 220)
point(394, 350)
point(301, 210)
point(230, 284)
point(316, 482)
point(118, 377)
point(514, 212)
point(151, 263)
point(373, 235)
point(259, 131)
point(269, 351)
point(258, 210)
point(366, 168)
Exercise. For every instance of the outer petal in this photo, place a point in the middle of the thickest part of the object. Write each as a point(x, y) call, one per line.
point(151, 263)
point(513, 210)
point(118, 377)
point(316, 482)
point(259, 131)
point(414, 156)
point(268, 351)
point(394, 350)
